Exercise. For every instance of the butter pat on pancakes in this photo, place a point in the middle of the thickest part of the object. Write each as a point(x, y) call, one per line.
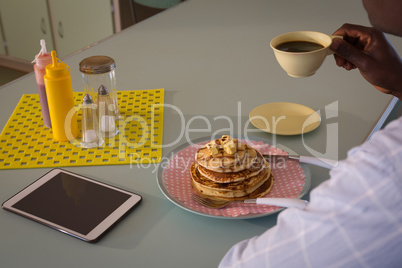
point(228, 169)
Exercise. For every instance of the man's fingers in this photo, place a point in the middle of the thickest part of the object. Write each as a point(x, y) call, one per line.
point(339, 61)
point(348, 52)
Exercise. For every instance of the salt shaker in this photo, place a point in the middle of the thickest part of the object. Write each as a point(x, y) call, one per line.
point(107, 119)
point(97, 71)
point(90, 130)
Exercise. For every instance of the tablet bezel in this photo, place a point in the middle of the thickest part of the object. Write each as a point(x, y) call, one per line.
point(97, 231)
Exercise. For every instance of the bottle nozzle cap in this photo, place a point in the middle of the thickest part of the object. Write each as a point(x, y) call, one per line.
point(43, 46)
point(43, 57)
point(54, 58)
point(57, 68)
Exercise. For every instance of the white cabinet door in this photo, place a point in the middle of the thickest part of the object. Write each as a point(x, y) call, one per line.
point(79, 23)
point(25, 22)
point(2, 47)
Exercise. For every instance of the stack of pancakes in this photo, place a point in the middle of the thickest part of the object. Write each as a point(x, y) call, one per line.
point(228, 169)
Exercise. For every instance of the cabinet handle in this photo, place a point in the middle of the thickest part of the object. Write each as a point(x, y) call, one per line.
point(43, 26)
point(60, 30)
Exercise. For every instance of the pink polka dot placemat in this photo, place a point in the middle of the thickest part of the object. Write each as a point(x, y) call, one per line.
point(290, 181)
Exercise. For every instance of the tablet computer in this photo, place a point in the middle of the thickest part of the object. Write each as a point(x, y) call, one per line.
point(73, 204)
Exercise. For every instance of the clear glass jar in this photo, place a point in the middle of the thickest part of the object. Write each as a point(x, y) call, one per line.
point(97, 71)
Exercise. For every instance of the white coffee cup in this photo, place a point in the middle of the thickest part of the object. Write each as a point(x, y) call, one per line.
point(302, 64)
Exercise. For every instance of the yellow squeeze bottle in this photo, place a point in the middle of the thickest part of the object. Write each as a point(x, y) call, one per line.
point(60, 98)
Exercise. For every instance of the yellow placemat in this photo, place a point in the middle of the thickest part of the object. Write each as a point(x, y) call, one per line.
point(26, 143)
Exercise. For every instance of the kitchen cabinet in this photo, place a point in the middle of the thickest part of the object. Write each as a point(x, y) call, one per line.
point(2, 46)
point(25, 22)
point(66, 26)
point(79, 23)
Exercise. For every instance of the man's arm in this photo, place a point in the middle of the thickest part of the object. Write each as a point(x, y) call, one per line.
point(353, 220)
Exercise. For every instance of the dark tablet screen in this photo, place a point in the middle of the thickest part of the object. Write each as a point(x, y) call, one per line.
point(74, 203)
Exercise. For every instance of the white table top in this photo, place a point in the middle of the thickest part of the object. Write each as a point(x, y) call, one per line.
point(213, 59)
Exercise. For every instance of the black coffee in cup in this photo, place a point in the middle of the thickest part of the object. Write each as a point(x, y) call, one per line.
point(299, 46)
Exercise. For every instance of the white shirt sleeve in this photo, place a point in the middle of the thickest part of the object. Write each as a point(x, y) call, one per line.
point(353, 220)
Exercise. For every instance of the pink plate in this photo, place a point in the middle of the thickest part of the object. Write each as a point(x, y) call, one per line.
point(291, 180)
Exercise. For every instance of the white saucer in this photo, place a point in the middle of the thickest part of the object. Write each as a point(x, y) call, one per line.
point(285, 118)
